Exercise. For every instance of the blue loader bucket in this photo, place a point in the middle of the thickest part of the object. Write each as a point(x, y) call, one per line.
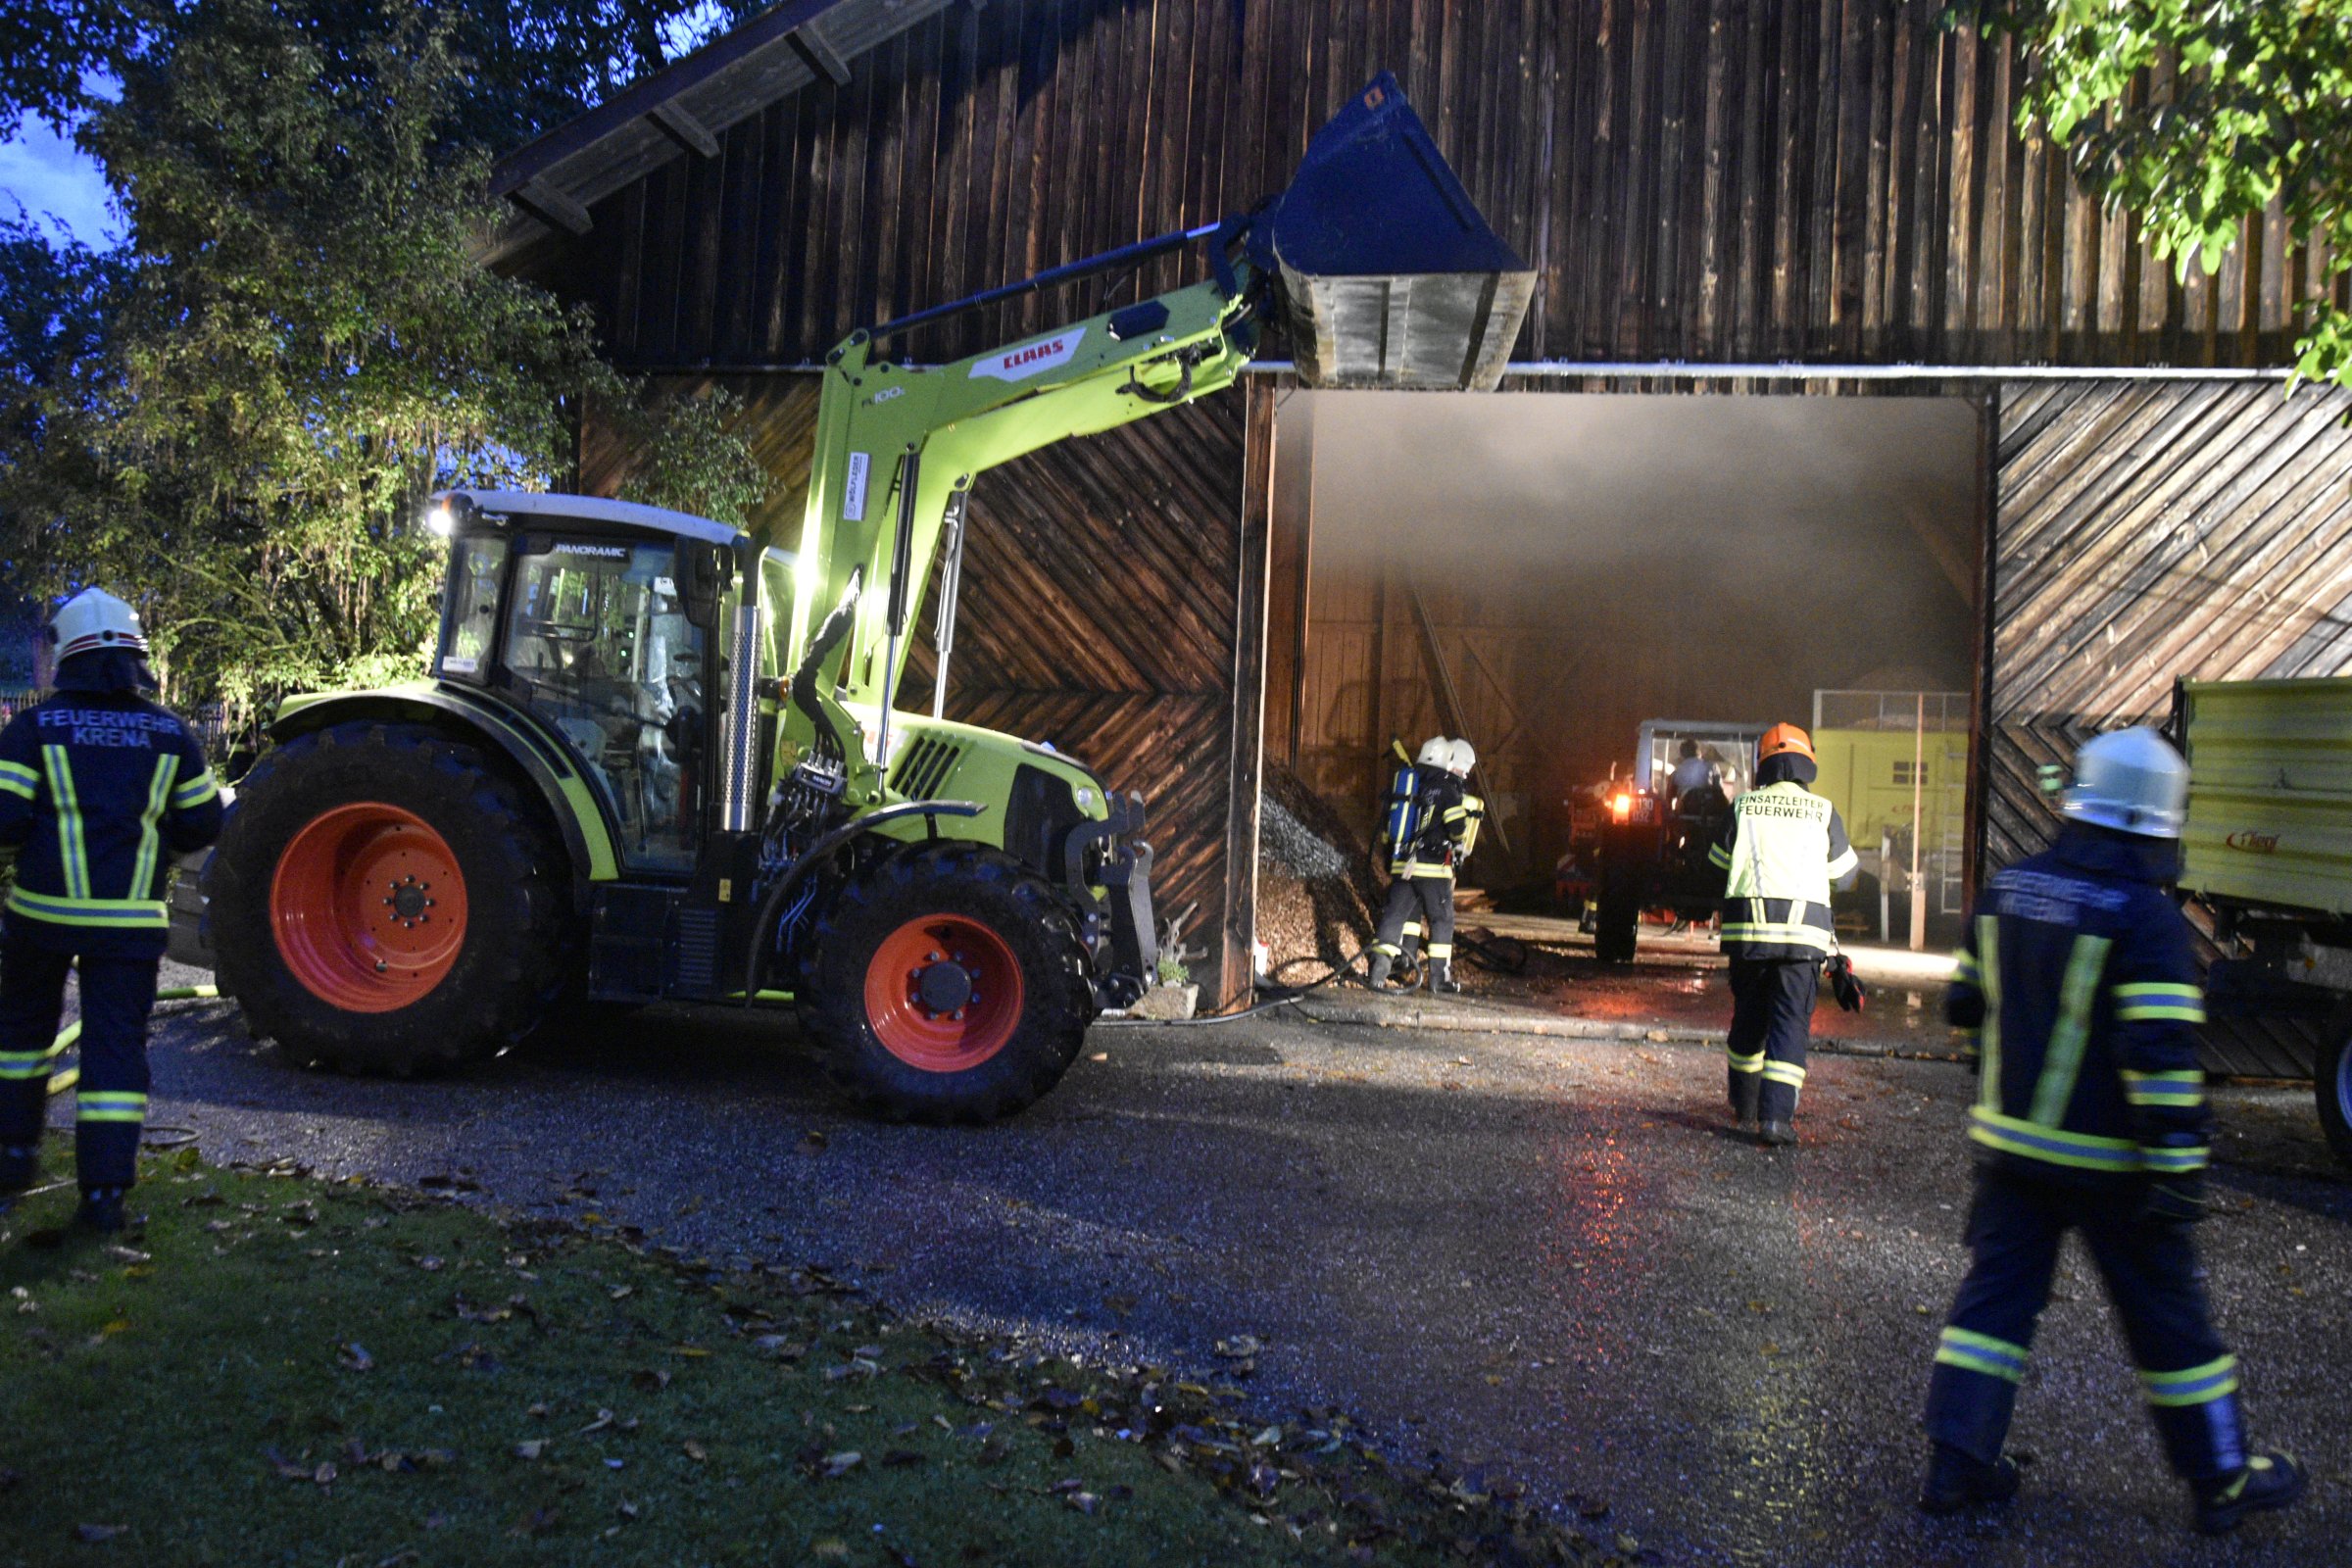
point(1389, 276)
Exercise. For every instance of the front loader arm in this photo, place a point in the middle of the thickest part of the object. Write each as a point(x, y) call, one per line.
point(898, 446)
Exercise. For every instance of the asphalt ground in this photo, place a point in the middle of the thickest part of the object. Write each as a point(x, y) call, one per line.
point(1541, 1257)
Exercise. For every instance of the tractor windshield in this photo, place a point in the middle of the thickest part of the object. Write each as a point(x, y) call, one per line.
point(599, 645)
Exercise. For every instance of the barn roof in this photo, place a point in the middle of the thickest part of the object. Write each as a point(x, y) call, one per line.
point(681, 110)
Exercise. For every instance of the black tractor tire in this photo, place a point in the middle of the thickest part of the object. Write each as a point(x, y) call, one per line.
point(521, 937)
point(950, 882)
point(2331, 1082)
point(1616, 928)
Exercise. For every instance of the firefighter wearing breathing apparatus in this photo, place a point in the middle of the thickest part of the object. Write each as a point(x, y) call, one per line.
point(2077, 980)
point(99, 788)
point(1432, 827)
point(1782, 847)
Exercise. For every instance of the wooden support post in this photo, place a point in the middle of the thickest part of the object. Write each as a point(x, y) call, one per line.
point(1245, 773)
point(672, 120)
point(822, 55)
point(1450, 711)
point(551, 207)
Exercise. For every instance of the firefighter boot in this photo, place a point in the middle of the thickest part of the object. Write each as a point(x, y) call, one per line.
point(101, 1211)
point(1745, 1086)
point(2266, 1482)
point(1441, 978)
point(19, 1164)
point(1957, 1479)
point(1776, 1134)
point(1376, 973)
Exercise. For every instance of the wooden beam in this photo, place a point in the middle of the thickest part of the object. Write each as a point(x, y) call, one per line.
point(822, 55)
point(1449, 712)
point(551, 207)
point(1245, 775)
point(672, 120)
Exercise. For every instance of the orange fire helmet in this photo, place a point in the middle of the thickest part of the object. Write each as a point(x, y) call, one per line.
point(1786, 738)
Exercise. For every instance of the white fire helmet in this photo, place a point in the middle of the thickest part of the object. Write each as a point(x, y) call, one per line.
point(1464, 760)
point(93, 621)
point(2133, 781)
point(1435, 752)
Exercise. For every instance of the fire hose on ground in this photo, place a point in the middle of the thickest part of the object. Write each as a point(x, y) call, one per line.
point(157, 1135)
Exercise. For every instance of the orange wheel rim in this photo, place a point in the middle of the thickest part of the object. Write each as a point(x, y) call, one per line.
point(943, 992)
point(369, 907)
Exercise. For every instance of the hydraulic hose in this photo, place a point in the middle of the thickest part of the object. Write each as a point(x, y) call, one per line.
point(172, 1135)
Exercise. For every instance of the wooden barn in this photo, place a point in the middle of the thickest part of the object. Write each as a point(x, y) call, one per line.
point(1831, 383)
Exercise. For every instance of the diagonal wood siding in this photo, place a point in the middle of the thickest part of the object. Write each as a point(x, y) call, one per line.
point(2149, 534)
point(1098, 606)
point(1705, 179)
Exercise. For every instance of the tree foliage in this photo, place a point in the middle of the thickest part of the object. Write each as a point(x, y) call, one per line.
point(235, 421)
point(2198, 117)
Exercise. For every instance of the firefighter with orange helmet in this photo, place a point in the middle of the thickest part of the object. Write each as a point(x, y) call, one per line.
point(1781, 849)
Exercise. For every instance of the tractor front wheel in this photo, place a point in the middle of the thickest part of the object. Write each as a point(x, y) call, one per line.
point(948, 985)
point(382, 902)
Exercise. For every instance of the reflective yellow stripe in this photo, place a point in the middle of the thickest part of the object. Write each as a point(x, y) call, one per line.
point(2184, 1088)
point(1388, 950)
point(2173, 1162)
point(142, 870)
point(2152, 999)
point(196, 791)
point(1424, 868)
point(1989, 1035)
point(19, 780)
point(2078, 993)
point(1964, 966)
point(1719, 857)
point(2052, 1144)
point(2196, 1385)
point(127, 913)
point(1981, 1353)
point(1784, 1072)
point(1739, 1063)
point(16, 1066)
point(98, 1104)
point(1802, 936)
point(1412, 928)
point(1843, 863)
point(70, 850)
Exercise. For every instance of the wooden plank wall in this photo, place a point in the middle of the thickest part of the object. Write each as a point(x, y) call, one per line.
point(1101, 587)
point(2148, 533)
point(1706, 179)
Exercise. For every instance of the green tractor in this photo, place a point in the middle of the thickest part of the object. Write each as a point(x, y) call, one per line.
point(658, 759)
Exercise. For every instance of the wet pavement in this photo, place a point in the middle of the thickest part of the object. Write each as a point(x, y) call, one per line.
point(1542, 1256)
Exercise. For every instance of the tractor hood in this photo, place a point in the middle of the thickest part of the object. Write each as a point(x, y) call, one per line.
point(1390, 277)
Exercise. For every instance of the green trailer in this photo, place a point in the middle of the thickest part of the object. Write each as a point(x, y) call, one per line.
point(2267, 849)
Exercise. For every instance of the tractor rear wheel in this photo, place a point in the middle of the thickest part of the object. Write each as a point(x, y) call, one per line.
point(1617, 926)
point(2332, 1081)
point(382, 902)
point(948, 985)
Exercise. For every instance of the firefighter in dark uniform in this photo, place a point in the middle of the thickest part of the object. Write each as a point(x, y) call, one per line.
point(99, 788)
point(1781, 849)
point(2079, 982)
point(1428, 833)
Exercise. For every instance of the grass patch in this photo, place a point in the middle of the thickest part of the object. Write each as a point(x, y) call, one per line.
point(280, 1369)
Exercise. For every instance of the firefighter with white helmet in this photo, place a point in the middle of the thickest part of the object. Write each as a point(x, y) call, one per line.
point(1431, 827)
point(2078, 983)
point(99, 789)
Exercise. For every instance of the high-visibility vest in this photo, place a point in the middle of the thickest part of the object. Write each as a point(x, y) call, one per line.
point(1783, 847)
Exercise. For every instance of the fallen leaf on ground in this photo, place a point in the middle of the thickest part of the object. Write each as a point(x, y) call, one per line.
point(604, 1419)
point(695, 1450)
point(532, 1449)
point(840, 1464)
point(649, 1380)
point(354, 1358)
point(96, 1533)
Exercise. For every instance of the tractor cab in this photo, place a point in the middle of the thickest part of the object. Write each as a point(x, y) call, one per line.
point(599, 619)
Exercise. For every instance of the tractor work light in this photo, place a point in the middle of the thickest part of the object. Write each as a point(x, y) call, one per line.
point(440, 521)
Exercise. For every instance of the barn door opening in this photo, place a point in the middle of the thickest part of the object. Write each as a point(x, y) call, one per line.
point(1578, 583)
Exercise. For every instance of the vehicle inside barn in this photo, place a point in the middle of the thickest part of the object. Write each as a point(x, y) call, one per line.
point(1547, 572)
